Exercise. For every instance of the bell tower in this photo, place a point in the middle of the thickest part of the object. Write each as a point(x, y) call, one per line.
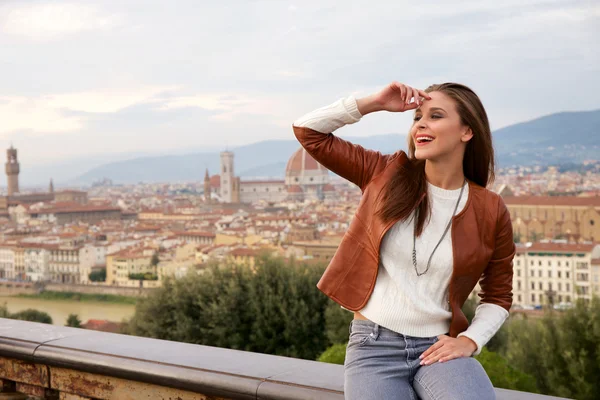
point(207, 189)
point(227, 177)
point(12, 170)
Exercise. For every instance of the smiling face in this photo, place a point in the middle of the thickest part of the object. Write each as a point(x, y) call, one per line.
point(437, 131)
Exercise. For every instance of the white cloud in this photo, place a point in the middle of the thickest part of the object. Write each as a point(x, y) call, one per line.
point(43, 114)
point(50, 21)
point(106, 100)
point(22, 113)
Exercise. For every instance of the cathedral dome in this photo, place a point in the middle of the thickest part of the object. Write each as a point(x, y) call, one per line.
point(302, 169)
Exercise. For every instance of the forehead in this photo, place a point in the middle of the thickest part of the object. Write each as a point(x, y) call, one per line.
point(439, 100)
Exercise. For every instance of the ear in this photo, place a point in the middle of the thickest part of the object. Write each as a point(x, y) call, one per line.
point(467, 135)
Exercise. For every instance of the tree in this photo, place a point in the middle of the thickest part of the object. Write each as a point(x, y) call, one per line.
point(272, 308)
point(503, 375)
point(73, 321)
point(561, 350)
point(4, 311)
point(98, 276)
point(337, 323)
point(33, 316)
point(155, 259)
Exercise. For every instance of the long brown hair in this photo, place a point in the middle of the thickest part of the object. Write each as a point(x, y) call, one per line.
point(407, 190)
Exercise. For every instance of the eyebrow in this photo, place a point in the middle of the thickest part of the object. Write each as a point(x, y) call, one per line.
point(431, 109)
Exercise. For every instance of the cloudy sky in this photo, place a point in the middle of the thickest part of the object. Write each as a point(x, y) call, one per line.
point(80, 79)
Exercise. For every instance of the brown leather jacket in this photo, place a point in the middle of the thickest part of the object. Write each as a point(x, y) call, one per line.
point(482, 236)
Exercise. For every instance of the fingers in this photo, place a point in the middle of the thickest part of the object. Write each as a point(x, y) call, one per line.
point(425, 95)
point(415, 94)
point(430, 350)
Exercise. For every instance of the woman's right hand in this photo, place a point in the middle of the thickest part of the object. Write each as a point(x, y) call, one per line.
point(395, 97)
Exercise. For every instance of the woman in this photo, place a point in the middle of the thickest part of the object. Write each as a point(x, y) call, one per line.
point(425, 232)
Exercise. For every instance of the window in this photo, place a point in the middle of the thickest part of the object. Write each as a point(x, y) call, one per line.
point(567, 274)
point(592, 222)
point(532, 286)
point(531, 262)
point(559, 274)
point(549, 285)
point(540, 273)
point(532, 297)
point(559, 263)
point(559, 286)
point(568, 288)
point(549, 274)
point(520, 298)
point(519, 285)
point(540, 286)
point(549, 263)
point(518, 272)
point(518, 263)
point(540, 263)
point(568, 298)
point(532, 273)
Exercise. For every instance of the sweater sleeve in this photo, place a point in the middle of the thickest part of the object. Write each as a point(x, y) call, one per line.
point(487, 321)
point(331, 117)
point(342, 157)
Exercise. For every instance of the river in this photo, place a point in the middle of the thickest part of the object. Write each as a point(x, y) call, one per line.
point(59, 310)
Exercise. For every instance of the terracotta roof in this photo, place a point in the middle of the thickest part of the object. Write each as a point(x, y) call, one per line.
point(195, 233)
point(552, 201)
point(560, 247)
point(595, 261)
point(294, 189)
point(76, 209)
point(243, 252)
point(215, 181)
point(102, 325)
point(263, 182)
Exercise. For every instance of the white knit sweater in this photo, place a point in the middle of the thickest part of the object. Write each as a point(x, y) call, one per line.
point(402, 301)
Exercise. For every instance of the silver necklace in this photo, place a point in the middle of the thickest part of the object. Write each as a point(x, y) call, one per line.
point(414, 252)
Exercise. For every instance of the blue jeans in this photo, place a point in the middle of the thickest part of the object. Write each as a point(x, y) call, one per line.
point(383, 364)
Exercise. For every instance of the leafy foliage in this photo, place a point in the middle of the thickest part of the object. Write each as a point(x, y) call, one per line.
point(33, 316)
point(73, 321)
point(272, 308)
point(336, 354)
point(98, 276)
point(561, 350)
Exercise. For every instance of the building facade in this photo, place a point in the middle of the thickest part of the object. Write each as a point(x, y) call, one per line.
point(552, 273)
point(554, 217)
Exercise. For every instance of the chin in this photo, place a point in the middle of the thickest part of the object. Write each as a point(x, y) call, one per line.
point(423, 154)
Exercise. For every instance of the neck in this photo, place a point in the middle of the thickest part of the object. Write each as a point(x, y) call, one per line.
point(447, 174)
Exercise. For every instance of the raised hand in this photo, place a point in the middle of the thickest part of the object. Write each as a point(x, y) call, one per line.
point(395, 97)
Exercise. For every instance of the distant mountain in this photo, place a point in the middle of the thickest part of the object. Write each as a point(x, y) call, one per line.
point(556, 138)
point(262, 159)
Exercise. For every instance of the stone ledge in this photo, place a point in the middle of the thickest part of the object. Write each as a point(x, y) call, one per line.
point(210, 371)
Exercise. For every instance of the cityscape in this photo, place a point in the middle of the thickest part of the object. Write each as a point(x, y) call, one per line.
point(137, 235)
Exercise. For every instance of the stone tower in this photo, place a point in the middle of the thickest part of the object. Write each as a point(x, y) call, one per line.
point(227, 176)
point(51, 188)
point(12, 171)
point(207, 188)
